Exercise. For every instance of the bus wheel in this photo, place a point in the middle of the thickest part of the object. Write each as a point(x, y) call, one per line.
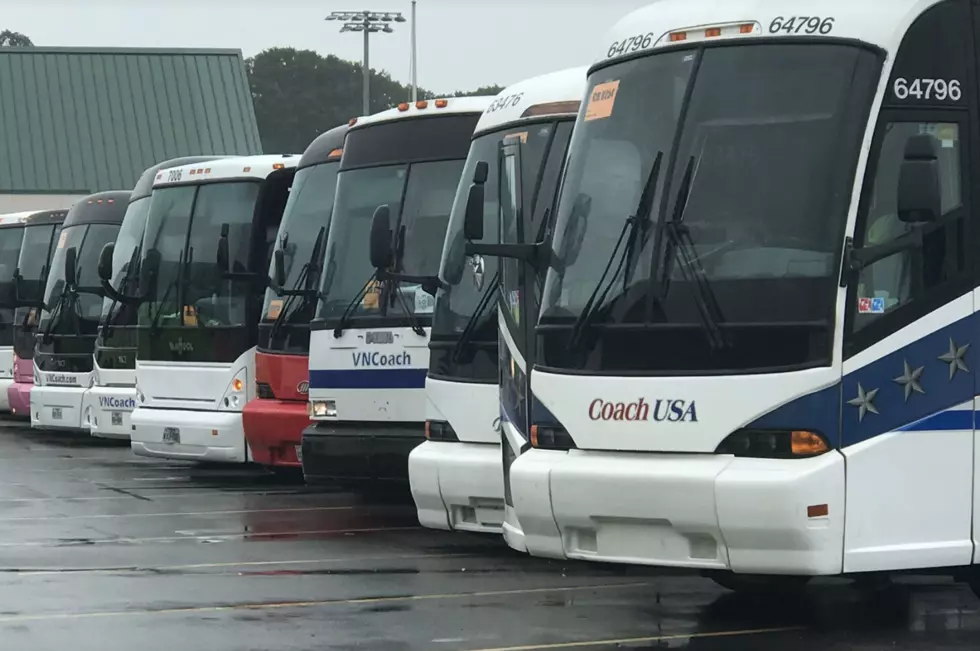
point(974, 582)
point(761, 585)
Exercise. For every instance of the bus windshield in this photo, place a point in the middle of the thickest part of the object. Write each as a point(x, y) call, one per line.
point(735, 164)
point(10, 241)
point(124, 259)
point(420, 198)
point(77, 312)
point(33, 264)
point(307, 213)
point(180, 255)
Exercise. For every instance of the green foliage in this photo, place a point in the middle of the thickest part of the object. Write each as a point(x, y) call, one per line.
point(9, 38)
point(299, 94)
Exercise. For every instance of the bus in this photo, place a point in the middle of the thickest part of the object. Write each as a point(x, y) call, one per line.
point(71, 311)
point(202, 271)
point(369, 345)
point(755, 345)
point(30, 278)
point(275, 419)
point(107, 405)
point(11, 237)
point(456, 475)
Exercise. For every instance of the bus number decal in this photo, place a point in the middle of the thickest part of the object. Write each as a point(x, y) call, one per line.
point(174, 176)
point(938, 89)
point(631, 44)
point(505, 102)
point(801, 25)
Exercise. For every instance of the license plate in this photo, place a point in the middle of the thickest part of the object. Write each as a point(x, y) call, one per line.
point(171, 435)
point(299, 453)
point(56, 413)
point(117, 418)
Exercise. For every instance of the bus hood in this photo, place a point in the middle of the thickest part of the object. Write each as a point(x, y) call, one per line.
point(684, 414)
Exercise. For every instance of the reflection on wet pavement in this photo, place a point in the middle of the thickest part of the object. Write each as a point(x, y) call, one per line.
point(101, 549)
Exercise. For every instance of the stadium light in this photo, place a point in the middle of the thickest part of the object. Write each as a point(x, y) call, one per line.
point(367, 22)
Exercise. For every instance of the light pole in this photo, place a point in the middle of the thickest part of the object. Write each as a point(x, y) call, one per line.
point(415, 60)
point(367, 22)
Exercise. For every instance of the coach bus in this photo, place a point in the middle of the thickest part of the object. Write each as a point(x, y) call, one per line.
point(11, 238)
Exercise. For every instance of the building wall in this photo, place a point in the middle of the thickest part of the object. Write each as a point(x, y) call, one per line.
point(23, 202)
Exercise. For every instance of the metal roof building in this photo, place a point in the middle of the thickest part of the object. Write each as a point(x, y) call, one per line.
point(74, 121)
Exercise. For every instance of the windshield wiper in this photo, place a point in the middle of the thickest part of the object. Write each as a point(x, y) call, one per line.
point(154, 323)
point(680, 241)
point(395, 286)
point(485, 300)
point(304, 279)
point(631, 227)
point(349, 310)
point(121, 296)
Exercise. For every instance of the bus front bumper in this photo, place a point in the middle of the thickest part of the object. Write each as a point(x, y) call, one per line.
point(274, 431)
point(5, 384)
point(107, 411)
point(19, 398)
point(57, 408)
point(458, 486)
point(214, 436)
point(696, 511)
point(359, 453)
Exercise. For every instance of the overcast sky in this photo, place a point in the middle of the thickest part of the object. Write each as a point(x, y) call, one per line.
point(463, 44)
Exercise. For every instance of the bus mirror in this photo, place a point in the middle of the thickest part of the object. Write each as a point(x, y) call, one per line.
point(279, 262)
point(224, 264)
point(481, 172)
point(105, 262)
point(473, 217)
point(71, 271)
point(919, 194)
point(382, 256)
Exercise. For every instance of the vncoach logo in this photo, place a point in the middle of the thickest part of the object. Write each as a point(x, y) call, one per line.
point(57, 378)
point(381, 359)
point(663, 410)
point(180, 346)
point(108, 402)
point(303, 387)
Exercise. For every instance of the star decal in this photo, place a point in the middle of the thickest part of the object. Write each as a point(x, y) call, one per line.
point(864, 402)
point(955, 358)
point(910, 380)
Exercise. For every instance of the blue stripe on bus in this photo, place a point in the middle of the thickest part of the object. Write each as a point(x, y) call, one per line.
point(960, 419)
point(395, 378)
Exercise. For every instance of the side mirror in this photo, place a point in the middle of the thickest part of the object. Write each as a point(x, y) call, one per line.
point(105, 262)
point(224, 263)
point(919, 189)
point(382, 256)
point(473, 217)
point(279, 263)
point(71, 270)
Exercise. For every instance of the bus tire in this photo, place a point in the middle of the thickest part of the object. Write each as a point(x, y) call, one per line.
point(759, 584)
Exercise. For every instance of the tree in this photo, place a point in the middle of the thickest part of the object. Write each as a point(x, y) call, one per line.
point(299, 94)
point(9, 38)
point(482, 90)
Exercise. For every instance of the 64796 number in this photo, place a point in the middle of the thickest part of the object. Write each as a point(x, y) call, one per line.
point(631, 44)
point(801, 25)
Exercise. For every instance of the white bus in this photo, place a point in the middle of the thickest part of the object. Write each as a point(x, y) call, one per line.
point(71, 311)
point(107, 405)
point(755, 346)
point(456, 476)
point(203, 271)
point(369, 343)
point(11, 238)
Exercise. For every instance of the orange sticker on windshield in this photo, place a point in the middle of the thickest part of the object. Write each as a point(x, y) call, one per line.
point(63, 239)
point(370, 300)
point(275, 307)
point(520, 134)
point(190, 315)
point(601, 101)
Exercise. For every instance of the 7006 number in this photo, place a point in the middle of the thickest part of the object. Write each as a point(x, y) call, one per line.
point(174, 176)
point(937, 89)
point(801, 25)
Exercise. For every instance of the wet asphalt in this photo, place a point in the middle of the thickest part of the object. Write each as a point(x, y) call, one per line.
point(100, 549)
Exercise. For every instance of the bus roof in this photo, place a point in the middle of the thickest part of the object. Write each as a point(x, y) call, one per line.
point(328, 146)
point(144, 186)
point(556, 93)
point(99, 208)
point(882, 23)
point(225, 169)
point(16, 218)
point(431, 108)
point(30, 217)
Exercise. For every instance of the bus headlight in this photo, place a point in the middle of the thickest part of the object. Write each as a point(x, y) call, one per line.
point(774, 444)
point(322, 408)
point(235, 397)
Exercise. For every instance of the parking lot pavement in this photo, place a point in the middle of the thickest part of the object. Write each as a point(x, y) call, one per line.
point(100, 549)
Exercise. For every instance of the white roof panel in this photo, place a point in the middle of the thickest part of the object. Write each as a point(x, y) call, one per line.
point(454, 105)
point(235, 167)
point(509, 106)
